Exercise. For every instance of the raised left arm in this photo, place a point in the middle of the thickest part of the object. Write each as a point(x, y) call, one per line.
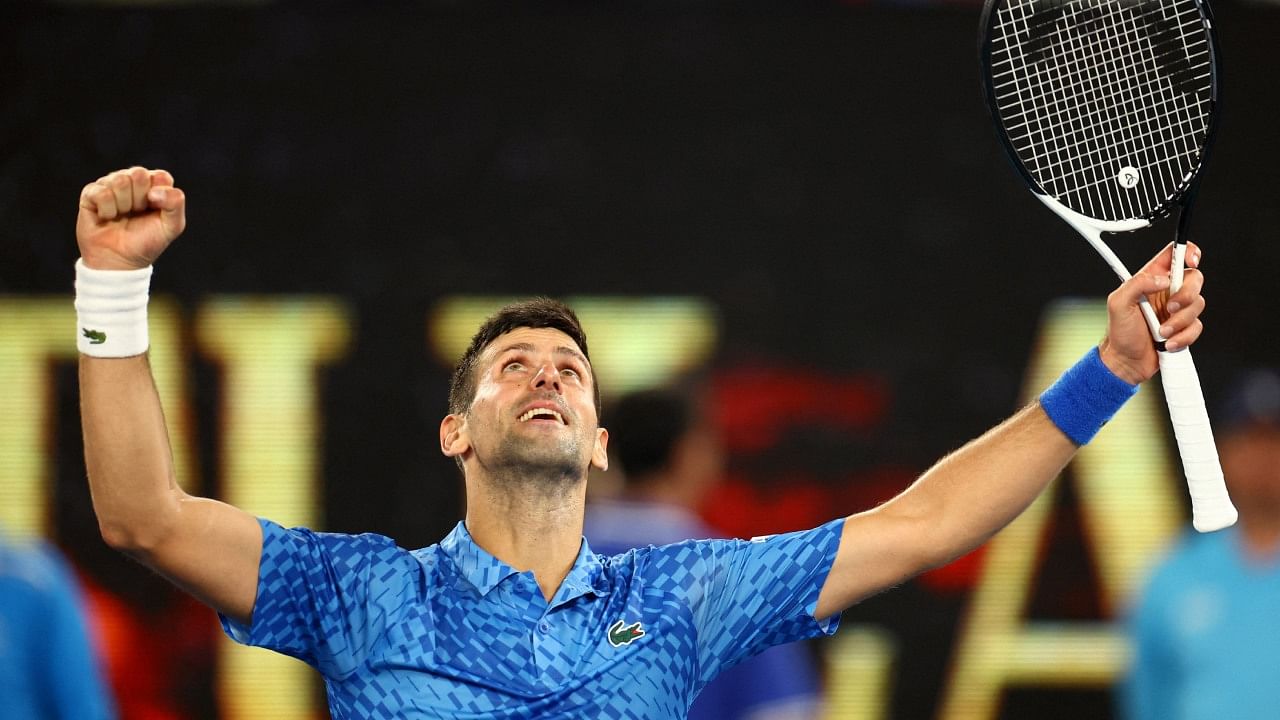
point(974, 492)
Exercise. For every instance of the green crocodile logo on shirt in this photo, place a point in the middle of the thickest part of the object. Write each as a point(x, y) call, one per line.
point(619, 635)
point(96, 337)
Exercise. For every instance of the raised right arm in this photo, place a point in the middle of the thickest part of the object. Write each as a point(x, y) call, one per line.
point(208, 548)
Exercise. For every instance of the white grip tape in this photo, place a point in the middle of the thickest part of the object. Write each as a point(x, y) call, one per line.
point(1211, 507)
point(111, 311)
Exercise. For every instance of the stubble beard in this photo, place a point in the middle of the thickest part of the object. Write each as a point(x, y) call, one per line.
point(548, 466)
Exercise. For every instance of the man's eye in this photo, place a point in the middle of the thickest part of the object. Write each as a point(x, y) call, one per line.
point(569, 371)
point(513, 366)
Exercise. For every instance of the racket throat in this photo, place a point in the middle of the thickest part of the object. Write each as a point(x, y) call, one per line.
point(1091, 230)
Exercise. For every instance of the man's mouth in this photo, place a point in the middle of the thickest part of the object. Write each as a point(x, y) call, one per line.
point(542, 414)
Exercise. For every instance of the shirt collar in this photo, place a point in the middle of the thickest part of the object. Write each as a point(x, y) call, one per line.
point(485, 572)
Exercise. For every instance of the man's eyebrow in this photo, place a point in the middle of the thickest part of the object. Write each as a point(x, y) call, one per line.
point(523, 347)
point(565, 350)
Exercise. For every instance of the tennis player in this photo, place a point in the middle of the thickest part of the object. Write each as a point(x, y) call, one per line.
point(511, 615)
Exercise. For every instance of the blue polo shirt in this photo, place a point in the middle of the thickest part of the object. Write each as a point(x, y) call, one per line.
point(1206, 635)
point(450, 631)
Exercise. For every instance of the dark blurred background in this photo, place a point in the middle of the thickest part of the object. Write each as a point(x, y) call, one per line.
point(823, 175)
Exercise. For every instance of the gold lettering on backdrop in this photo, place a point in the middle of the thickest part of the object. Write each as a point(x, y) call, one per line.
point(270, 351)
point(35, 334)
point(1129, 509)
point(860, 673)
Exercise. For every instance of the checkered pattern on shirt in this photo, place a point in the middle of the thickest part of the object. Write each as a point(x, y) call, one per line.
point(449, 631)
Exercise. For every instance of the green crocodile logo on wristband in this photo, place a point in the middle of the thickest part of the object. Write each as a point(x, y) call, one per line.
point(96, 337)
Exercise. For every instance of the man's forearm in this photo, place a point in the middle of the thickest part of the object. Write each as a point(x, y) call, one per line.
point(960, 502)
point(127, 451)
point(974, 492)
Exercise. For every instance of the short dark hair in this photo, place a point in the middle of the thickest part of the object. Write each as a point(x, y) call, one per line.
point(539, 312)
point(645, 427)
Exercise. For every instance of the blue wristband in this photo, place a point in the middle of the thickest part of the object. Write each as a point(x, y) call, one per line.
point(1085, 398)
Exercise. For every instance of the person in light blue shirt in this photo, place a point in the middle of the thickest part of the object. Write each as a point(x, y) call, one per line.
point(1206, 629)
point(671, 457)
point(513, 615)
point(48, 670)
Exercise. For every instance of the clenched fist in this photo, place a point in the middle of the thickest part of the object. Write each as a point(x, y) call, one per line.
point(127, 218)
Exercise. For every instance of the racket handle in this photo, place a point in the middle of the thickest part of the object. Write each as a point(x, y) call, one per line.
point(1177, 267)
point(1211, 507)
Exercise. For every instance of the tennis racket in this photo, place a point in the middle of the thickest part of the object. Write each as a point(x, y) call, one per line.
point(1107, 109)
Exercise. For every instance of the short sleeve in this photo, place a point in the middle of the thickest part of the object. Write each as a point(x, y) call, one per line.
point(326, 598)
point(746, 596)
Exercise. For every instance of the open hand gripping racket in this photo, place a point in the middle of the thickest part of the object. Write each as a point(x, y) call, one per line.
point(1106, 107)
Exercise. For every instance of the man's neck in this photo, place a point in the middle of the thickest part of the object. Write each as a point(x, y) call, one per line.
point(528, 527)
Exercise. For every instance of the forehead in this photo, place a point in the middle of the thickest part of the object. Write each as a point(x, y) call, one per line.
point(547, 340)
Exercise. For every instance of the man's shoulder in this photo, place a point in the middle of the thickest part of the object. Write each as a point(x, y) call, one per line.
point(668, 566)
point(347, 548)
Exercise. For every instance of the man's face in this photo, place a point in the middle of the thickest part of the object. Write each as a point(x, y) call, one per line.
point(534, 411)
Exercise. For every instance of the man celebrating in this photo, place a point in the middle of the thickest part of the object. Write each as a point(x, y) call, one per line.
point(512, 615)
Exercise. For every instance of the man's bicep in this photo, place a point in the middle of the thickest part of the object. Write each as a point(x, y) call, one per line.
point(878, 550)
point(212, 551)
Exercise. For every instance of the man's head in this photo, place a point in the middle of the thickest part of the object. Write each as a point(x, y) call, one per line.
point(524, 401)
point(539, 312)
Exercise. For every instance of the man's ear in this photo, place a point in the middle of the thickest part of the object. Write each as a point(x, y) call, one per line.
point(454, 440)
point(600, 453)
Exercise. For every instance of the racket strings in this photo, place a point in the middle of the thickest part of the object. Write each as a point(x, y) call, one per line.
point(1099, 84)
point(1098, 93)
point(1143, 70)
point(1106, 102)
point(1112, 139)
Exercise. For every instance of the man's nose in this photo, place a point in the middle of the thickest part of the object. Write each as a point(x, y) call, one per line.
point(548, 377)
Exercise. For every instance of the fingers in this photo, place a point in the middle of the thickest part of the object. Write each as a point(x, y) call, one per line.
point(1181, 330)
point(1163, 261)
point(1134, 289)
point(164, 198)
point(130, 191)
point(139, 184)
point(1192, 285)
point(161, 178)
point(172, 204)
point(1183, 326)
point(122, 188)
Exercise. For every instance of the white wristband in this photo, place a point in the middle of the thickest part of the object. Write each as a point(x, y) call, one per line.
point(111, 310)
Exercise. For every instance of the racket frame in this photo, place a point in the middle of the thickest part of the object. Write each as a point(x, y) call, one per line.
point(1211, 505)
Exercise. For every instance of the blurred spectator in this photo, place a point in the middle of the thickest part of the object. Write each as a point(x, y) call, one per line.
point(48, 670)
point(671, 456)
point(1206, 629)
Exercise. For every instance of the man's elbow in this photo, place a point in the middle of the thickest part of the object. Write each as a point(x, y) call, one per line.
point(134, 537)
point(122, 536)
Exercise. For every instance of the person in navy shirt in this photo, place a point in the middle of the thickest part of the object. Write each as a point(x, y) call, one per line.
point(512, 615)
